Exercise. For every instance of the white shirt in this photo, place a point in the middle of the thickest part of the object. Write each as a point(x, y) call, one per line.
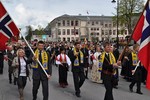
point(22, 67)
point(63, 57)
point(96, 54)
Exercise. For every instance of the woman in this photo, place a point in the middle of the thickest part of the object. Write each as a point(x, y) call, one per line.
point(21, 72)
point(63, 61)
point(95, 74)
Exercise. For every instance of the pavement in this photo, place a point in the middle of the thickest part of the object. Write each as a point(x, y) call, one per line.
point(89, 91)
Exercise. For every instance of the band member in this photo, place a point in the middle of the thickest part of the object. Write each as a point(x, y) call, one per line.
point(137, 76)
point(1, 61)
point(10, 55)
point(20, 64)
point(86, 56)
point(106, 66)
point(77, 60)
point(64, 62)
point(38, 73)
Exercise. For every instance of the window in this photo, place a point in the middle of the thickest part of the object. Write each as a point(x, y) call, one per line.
point(63, 22)
point(64, 39)
point(91, 33)
point(72, 31)
point(76, 23)
point(97, 29)
point(97, 33)
point(59, 31)
point(114, 32)
point(91, 29)
point(68, 31)
point(68, 39)
point(88, 22)
point(72, 23)
point(102, 32)
point(109, 25)
point(96, 22)
point(59, 23)
point(68, 22)
point(76, 32)
point(64, 32)
point(106, 25)
point(94, 29)
point(110, 32)
point(92, 23)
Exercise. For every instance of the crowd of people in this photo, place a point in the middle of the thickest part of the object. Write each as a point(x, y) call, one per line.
point(98, 62)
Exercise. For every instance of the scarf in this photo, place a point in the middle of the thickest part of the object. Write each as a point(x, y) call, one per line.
point(76, 62)
point(44, 59)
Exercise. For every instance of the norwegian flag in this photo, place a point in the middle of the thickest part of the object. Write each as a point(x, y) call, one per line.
point(141, 35)
point(8, 29)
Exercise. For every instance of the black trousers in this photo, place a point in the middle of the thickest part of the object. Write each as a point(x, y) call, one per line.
point(1, 63)
point(108, 83)
point(138, 85)
point(63, 71)
point(36, 85)
point(21, 82)
point(79, 79)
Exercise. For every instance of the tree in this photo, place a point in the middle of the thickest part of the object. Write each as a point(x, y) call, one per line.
point(128, 13)
point(29, 32)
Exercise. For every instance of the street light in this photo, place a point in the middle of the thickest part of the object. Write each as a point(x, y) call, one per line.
point(114, 1)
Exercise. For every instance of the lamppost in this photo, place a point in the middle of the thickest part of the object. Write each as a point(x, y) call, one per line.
point(114, 1)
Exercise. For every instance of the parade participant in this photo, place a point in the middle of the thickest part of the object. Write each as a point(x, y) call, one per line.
point(64, 62)
point(115, 52)
point(107, 65)
point(2, 52)
point(86, 56)
point(137, 74)
point(77, 60)
point(21, 71)
point(125, 64)
point(38, 73)
point(10, 55)
point(95, 74)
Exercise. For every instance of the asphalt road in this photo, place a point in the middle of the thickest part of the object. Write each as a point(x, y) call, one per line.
point(89, 91)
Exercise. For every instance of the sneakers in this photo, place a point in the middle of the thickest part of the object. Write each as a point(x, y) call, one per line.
point(78, 95)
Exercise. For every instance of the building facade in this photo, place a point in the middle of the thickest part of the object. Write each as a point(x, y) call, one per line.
point(93, 28)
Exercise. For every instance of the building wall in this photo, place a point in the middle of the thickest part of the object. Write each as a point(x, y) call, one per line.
point(64, 28)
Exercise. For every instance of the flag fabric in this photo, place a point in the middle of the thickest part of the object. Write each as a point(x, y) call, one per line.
point(8, 28)
point(141, 35)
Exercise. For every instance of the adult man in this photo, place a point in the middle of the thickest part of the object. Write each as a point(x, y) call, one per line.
point(107, 65)
point(77, 60)
point(38, 73)
point(86, 56)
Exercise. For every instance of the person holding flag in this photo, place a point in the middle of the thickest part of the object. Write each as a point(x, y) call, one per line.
point(107, 65)
point(38, 73)
point(136, 74)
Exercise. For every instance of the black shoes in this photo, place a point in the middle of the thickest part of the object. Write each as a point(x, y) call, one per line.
point(131, 90)
point(78, 95)
point(139, 92)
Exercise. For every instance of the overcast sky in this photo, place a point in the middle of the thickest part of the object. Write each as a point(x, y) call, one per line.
point(41, 12)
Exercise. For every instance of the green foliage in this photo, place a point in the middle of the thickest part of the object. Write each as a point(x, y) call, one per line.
point(128, 13)
point(29, 32)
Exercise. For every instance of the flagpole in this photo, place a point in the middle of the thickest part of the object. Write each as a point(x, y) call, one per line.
point(121, 55)
point(27, 43)
point(136, 67)
point(34, 54)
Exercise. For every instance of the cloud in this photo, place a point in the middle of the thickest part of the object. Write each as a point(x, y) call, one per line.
point(26, 16)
